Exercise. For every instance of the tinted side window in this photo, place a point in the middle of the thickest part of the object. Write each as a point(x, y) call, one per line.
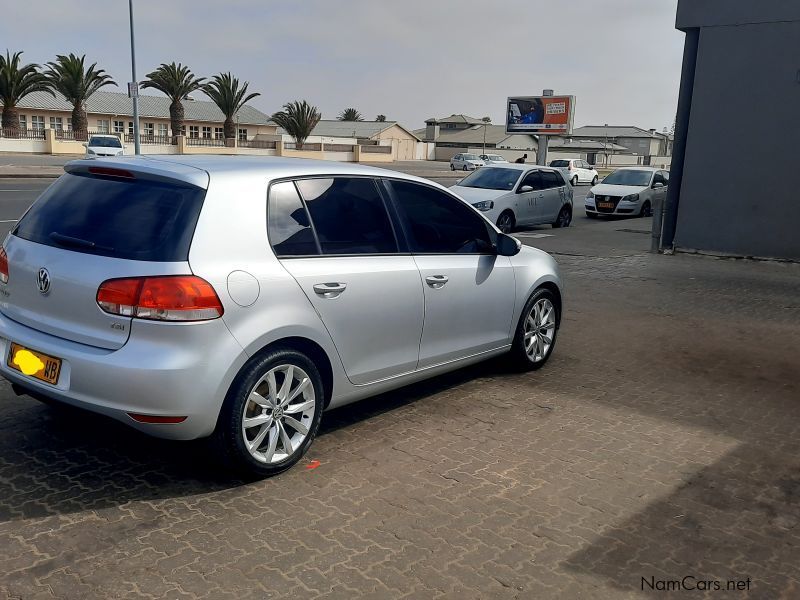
point(551, 180)
point(533, 179)
point(659, 178)
point(289, 226)
point(436, 222)
point(348, 215)
point(132, 219)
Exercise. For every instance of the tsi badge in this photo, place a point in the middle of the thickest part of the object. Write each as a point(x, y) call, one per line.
point(43, 281)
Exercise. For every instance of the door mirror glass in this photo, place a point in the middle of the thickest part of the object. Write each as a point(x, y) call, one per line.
point(524, 189)
point(507, 245)
point(658, 185)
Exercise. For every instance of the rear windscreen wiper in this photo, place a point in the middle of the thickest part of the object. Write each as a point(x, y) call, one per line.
point(67, 240)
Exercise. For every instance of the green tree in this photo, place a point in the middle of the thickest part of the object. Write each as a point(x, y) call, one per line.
point(380, 118)
point(16, 82)
point(177, 82)
point(298, 119)
point(226, 92)
point(350, 114)
point(70, 76)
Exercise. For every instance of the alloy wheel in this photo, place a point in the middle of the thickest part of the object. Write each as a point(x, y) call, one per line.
point(540, 328)
point(504, 223)
point(278, 414)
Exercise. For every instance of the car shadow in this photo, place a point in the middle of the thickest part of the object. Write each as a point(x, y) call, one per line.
point(58, 460)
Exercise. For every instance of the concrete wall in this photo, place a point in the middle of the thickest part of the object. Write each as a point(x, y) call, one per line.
point(746, 101)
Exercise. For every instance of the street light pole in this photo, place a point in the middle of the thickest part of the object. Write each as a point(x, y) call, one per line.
point(133, 90)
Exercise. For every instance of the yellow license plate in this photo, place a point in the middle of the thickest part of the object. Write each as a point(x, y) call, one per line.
point(34, 364)
point(605, 205)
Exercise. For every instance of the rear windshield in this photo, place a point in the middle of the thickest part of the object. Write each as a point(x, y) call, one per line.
point(129, 219)
point(559, 163)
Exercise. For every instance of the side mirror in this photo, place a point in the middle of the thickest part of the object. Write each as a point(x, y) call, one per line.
point(507, 245)
point(658, 185)
point(525, 189)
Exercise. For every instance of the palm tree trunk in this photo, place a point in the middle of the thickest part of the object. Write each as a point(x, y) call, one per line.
point(80, 123)
point(10, 121)
point(176, 115)
point(230, 128)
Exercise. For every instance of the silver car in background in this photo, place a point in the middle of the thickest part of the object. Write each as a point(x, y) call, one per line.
point(238, 298)
point(466, 162)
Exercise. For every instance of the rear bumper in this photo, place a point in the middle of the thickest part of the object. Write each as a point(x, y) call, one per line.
point(165, 369)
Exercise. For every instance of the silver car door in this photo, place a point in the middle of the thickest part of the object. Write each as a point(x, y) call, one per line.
point(527, 201)
point(469, 289)
point(345, 259)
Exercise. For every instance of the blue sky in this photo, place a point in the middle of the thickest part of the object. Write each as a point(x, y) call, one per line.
point(409, 59)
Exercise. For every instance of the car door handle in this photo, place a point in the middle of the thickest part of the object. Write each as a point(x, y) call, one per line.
point(329, 290)
point(437, 281)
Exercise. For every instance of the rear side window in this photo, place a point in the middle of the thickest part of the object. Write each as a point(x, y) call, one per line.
point(349, 215)
point(289, 226)
point(131, 219)
point(551, 180)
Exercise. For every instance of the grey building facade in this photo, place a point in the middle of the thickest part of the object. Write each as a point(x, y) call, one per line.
point(737, 137)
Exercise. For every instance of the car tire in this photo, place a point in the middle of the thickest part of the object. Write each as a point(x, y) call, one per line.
point(574, 181)
point(529, 351)
point(563, 219)
point(252, 398)
point(465, 168)
point(506, 221)
point(594, 180)
point(452, 167)
point(646, 210)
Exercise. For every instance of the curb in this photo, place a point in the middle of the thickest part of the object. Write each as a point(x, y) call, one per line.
point(29, 176)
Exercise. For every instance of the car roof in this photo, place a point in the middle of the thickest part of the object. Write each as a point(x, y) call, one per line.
point(523, 167)
point(634, 168)
point(197, 169)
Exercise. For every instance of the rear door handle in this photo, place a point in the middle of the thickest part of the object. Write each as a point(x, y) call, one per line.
point(437, 281)
point(329, 290)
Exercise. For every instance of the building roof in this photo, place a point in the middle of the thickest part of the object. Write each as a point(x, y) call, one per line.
point(495, 134)
point(613, 131)
point(585, 145)
point(460, 119)
point(356, 129)
point(157, 107)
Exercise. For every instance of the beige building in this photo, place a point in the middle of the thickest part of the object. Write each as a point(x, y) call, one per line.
point(112, 112)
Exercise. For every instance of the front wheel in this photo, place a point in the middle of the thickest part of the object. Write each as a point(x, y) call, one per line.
point(452, 167)
point(564, 218)
point(594, 180)
point(271, 414)
point(465, 168)
point(506, 221)
point(536, 332)
point(646, 211)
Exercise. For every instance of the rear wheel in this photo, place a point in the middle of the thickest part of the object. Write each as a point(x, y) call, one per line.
point(271, 414)
point(536, 332)
point(564, 218)
point(647, 210)
point(506, 221)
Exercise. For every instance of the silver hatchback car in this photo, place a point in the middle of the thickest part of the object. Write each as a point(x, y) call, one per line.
point(239, 297)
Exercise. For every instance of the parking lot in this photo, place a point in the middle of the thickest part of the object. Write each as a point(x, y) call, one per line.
point(660, 442)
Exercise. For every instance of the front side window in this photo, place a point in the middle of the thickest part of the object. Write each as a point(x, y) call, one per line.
point(533, 179)
point(438, 223)
point(349, 215)
point(289, 226)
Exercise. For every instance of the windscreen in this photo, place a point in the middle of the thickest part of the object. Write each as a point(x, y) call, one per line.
point(629, 177)
point(131, 219)
point(492, 178)
point(105, 142)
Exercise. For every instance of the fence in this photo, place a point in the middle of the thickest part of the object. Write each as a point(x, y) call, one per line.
point(23, 134)
point(263, 144)
point(293, 146)
point(339, 147)
point(146, 138)
point(376, 149)
point(199, 141)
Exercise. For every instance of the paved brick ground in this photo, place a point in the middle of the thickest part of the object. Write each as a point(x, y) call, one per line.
point(661, 441)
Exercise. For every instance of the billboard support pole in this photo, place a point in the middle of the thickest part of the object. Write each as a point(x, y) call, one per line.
point(541, 153)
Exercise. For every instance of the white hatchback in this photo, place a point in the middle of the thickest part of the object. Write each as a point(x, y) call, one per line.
point(465, 162)
point(576, 171)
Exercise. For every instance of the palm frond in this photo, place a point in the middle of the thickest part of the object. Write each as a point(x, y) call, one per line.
point(17, 81)
point(69, 75)
point(298, 119)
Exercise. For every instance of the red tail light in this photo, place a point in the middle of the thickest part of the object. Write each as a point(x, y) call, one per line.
point(167, 298)
point(3, 265)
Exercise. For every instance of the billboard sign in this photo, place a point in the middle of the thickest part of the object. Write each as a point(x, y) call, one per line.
point(540, 115)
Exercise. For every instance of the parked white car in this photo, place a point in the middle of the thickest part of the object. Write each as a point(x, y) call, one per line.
point(104, 145)
point(466, 162)
point(513, 195)
point(493, 159)
point(628, 191)
point(576, 171)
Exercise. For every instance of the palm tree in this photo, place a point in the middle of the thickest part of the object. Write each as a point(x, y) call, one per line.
point(380, 118)
point(16, 82)
point(230, 97)
point(298, 119)
point(177, 82)
point(70, 76)
point(350, 114)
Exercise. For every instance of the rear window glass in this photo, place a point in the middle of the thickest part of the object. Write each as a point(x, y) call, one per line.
point(559, 163)
point(128, 219)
